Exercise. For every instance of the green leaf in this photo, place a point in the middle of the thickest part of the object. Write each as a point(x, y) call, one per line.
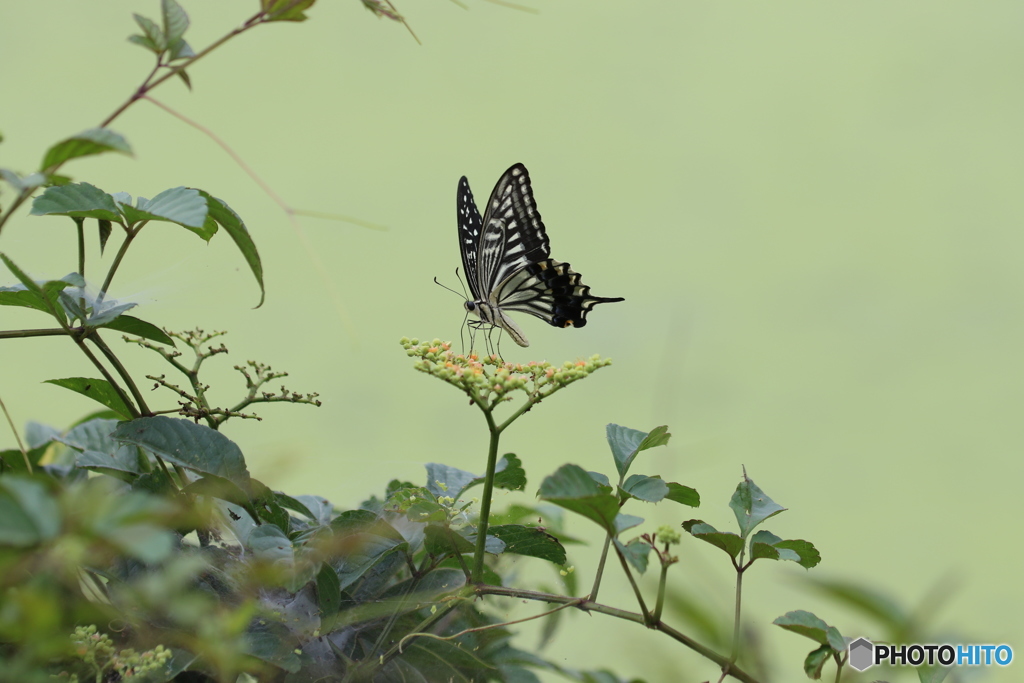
point(626, 443)
point(443, 480)
point(104, 231)
point(181, 205)
point(529, 541)
point(286, 10)
point(807, 555)
point(816, 660)
point(636, 553)
point(182, 74)
point(98, 449)
point(363, 541)
point(441, 540)
point(78, 200)
point(270, 544)
point(752, 506)
point(683, 494)
point(426, 511)
point(574, 489)
point(642, 487)
point(86, 143)
point(510, 474)
point(14, 460)
point(175, 20)
point(230, 221)
point(328, 591)
point(140, 328)
point(727, 541)
point(99, 390)
point(151, 32)
point(190, 445)
point(808, 625)
point(180, 49)
point(28, 513)
point(272, 642)
point(624, 521)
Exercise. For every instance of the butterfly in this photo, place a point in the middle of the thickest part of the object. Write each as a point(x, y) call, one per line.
point(507, 259)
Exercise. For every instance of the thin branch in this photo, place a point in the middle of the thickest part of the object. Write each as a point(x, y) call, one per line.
point(17, 437)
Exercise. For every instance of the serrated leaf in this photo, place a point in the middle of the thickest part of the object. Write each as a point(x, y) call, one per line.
point(642, 487)
point(86, 143)
point(729, 542)
point(99, 390)
point(78, 200)
point(140, 328)
point(152, 32)
point(752, 506)
point(810, 626)
point(286, 10)
point(175, 20)
point(683, 494)
point(509, 474)
point(574, 489)
point(443, 480)
point(195, 447)
point(181, 205)
point(626, 443)
point(144, 42)
point(530, 541)
point(636, 553)
point(232, 223)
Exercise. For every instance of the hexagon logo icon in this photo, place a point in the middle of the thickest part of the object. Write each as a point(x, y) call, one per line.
point(862, 654)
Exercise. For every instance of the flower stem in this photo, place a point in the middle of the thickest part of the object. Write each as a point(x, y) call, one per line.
point(485, 503)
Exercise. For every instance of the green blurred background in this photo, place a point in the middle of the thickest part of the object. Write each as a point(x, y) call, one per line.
point(812, 209)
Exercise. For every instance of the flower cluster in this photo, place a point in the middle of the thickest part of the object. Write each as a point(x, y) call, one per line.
point(490, 380)
point(97, 650)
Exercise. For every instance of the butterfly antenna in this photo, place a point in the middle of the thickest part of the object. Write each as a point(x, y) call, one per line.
point(449, 289)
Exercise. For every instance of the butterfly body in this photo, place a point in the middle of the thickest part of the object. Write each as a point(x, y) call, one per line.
point(506, 255)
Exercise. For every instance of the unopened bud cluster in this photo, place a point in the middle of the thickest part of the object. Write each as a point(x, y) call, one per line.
point(97, 650)
point(490, 380)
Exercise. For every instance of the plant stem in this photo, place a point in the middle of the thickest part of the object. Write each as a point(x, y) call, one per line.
point(636, 589)
point(80, 223)
point(600, 567)
point(14, 430)
point(661, 590)
point(736, 611)
point(590, 606)
point(485, 503)
point(117, 260)
point(107, 376)
point(19, 334)
point(604, 555)
point(140, 401)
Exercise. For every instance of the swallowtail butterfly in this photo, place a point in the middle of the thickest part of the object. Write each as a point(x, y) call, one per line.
point(507, 260)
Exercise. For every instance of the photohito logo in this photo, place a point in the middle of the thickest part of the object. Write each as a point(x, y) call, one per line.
point(865, 654)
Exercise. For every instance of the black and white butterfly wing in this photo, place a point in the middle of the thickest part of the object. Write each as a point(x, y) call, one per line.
point(551, 291)
point(514, 234)
point(470, 228)
point(507, 258)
